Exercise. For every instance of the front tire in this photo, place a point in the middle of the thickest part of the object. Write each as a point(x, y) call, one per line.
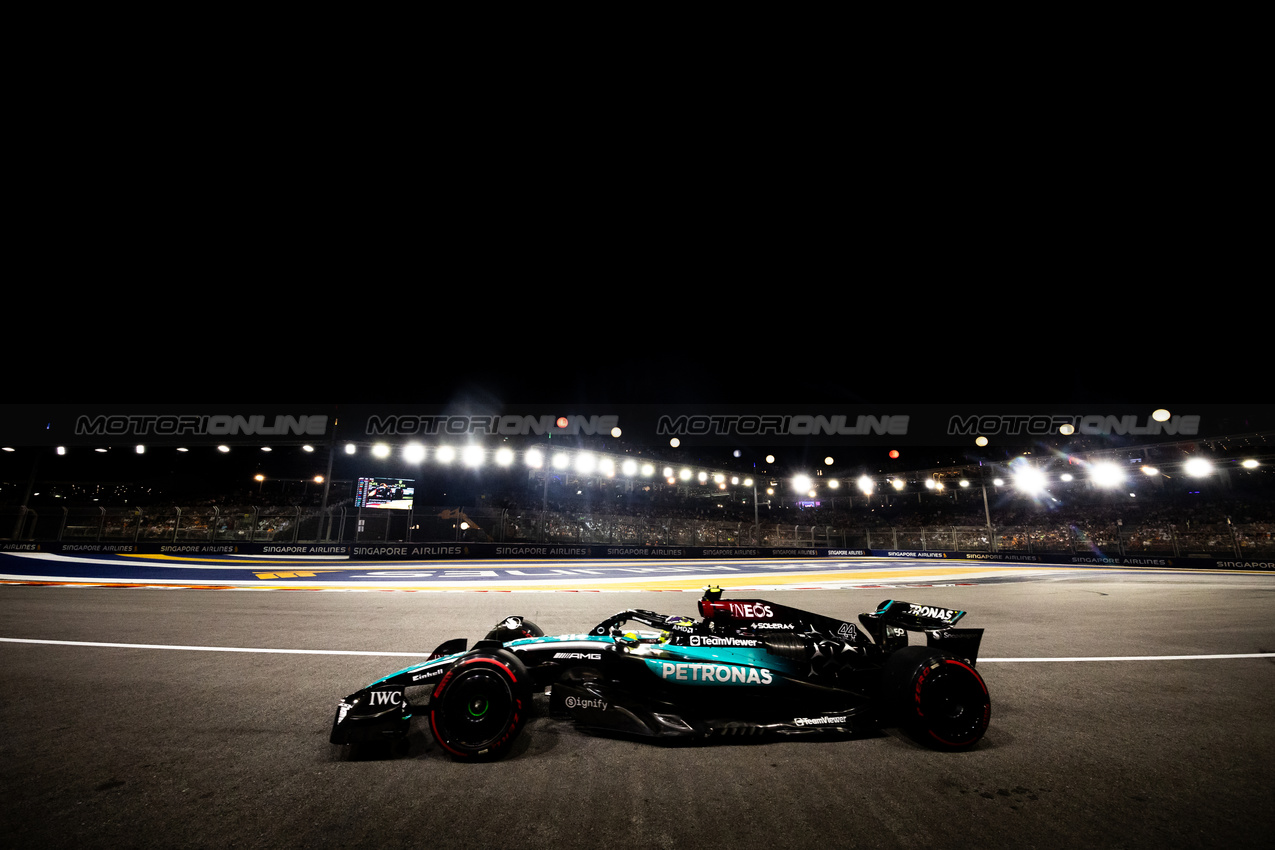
point(478, 708)
point(939, 700)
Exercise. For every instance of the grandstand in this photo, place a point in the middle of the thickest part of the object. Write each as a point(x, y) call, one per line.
point(1133, 500)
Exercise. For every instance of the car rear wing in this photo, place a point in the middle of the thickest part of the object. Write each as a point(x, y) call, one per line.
point(893, 619)
point(921, 618)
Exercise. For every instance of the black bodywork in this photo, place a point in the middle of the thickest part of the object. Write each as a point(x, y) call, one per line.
point(745, 667)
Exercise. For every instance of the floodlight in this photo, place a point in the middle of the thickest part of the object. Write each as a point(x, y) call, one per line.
point(1106, 475)
point(1029, 480)
point(1198, 467)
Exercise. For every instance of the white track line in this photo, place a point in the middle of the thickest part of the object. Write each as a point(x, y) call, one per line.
point(424, 654)
point(212, 648)
point(1137, 657)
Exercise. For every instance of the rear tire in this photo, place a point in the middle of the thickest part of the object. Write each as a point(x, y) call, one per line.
point(938, 699)
point(478, 708)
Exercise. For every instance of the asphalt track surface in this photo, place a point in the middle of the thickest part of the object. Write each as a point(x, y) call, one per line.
point(1129, 709)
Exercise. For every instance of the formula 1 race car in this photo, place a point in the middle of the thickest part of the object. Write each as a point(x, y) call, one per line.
point(749, 667)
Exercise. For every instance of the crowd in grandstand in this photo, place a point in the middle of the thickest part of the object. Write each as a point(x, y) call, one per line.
point(652, 513)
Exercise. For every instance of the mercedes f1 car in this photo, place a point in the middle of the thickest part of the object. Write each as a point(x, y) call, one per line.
point(748, 667)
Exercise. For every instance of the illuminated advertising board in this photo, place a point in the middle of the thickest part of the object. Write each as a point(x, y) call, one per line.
point(394, 493)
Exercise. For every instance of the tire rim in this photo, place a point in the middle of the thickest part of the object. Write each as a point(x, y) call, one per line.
point(954, 704)
point(477, 709)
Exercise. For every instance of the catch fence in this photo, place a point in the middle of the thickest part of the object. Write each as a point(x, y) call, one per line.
point(441, 524)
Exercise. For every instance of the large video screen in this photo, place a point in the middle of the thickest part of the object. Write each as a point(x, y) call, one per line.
point(393, 493)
